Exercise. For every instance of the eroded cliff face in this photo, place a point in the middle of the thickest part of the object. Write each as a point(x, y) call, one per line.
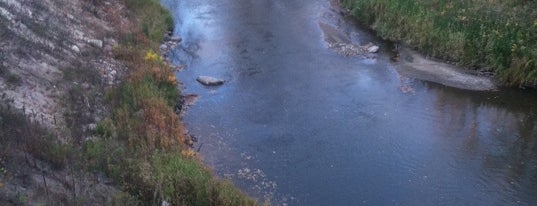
point(46, 44)
point(55, 62)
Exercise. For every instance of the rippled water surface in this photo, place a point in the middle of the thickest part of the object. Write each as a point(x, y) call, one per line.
point(300, 124)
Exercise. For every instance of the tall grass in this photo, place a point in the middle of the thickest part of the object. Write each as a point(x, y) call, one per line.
point(496, 35)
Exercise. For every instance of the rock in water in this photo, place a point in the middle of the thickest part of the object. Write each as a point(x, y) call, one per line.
point(176, 39)
point(373, 49)
point(163, 47)
point(209, 81)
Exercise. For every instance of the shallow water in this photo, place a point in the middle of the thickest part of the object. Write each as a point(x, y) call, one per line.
point(299, 124)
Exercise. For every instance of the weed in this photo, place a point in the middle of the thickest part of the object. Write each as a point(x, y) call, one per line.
point(155, 19)
point(185, 182)
point(105, 128)
point(93, 153)
point(19, 131)
point(22, 199)
point(49, 149)
point(124, 198)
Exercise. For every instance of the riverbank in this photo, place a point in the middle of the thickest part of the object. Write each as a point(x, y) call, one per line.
point(407, 62)
point(88, 116)
point(487, 36)
point(144, 133)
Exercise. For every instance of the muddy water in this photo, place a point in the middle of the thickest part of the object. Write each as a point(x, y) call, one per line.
point(300, 124)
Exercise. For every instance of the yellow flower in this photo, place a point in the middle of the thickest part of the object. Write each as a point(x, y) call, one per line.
point(172, 79)
point(152, 56)
point(188, 153)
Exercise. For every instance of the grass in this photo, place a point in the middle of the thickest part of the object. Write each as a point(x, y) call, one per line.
point(154, 19)
point(495, 35)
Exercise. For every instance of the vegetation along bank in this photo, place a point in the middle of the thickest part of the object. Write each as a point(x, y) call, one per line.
point(87, 109)
point(143, 144)
point(496, 36)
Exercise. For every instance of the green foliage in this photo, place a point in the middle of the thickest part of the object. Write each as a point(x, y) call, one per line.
point(105, 128)
point(123, 198)
point(22, 198)
point(155, 20)
point(185, 182)
point(492, 34)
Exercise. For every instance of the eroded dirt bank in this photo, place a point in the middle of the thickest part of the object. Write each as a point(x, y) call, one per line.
point(56, 61)
point(86, 96)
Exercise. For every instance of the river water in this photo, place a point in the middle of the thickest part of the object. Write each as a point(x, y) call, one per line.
point(299, 124)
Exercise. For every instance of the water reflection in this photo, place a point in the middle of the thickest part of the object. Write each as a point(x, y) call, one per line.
point(496, 132)
point(322, 129)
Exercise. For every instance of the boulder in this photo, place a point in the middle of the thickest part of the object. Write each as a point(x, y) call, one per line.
point(209, 81)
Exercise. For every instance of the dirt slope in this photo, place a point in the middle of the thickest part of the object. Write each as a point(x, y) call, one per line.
point(55, 62)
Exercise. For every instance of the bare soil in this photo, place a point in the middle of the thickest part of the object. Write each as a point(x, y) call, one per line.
point(55, 64)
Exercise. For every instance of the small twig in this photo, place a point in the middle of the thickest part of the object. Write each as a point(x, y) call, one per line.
point(199, 148)
point(45, 181)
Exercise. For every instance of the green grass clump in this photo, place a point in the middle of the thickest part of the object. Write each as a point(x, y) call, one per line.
point(497, 35)
point(155, 20)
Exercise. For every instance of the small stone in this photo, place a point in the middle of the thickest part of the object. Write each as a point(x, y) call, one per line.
point(373, 49)
point(85, 85)
point(92, 127)
point(95, 42)
point(163, 47)
point(75, 49)
point(176, 39)
point(209, 81)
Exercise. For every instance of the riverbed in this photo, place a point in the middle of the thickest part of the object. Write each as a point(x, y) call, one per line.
point(297, 123)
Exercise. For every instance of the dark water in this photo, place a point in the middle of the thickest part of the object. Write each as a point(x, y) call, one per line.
point(301, 125)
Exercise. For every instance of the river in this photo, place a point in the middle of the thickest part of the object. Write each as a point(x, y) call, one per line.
point(299, 124)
